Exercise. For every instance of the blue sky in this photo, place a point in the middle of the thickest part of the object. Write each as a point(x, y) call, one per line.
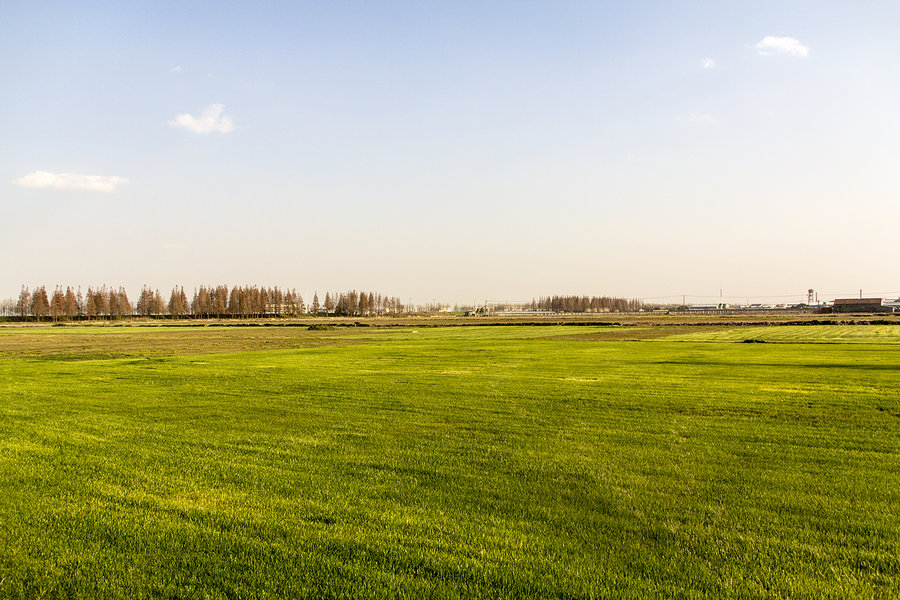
point(452, 150)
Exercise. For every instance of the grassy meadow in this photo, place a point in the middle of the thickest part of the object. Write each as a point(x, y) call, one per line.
point(453, 462)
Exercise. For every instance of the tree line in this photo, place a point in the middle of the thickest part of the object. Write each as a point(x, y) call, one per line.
point(585, 304)
point(260, 302)
point(207, 302)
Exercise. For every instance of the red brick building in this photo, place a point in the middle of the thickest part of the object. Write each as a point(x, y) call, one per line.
point(860, 305)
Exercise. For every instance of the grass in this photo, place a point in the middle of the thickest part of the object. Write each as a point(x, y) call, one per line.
point(833, 334)
point(446, 462)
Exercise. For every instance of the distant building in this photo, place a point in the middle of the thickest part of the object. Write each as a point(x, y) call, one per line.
point(861, 305)
point(720, 306)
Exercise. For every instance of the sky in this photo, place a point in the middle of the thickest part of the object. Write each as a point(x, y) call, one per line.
point(455, 151)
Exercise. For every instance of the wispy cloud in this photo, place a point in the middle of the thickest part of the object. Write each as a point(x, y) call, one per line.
point(176, 69)
point(781, 45)
point(70, 181)
point(708, 63)
point(211, 119)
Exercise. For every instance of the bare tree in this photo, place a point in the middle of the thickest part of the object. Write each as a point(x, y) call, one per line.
point(301, 305)
point(112, 303)
point(57, 304)
point(202, 305)
point(70, 307)
point(145, 304)
point(40, 304)
point(23, 306)
point(220, 301)
point(159, 306)
point(7, 307)
point(178, 303)
point(125, 309)
point(234, 301)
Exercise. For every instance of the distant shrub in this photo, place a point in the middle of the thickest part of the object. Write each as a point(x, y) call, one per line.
point(320, 327)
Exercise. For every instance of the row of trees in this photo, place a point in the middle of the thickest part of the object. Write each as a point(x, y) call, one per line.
point(256, 302)
point(567, 304)
point(67, 304)
point(360, 304)
point(586, 304)
point(207, 302)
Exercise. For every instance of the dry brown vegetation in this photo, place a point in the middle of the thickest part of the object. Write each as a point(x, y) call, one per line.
point(114, 342)
point(133, 337)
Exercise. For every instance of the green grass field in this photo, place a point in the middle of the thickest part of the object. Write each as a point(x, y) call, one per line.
point(492, 462)
point(833, 334)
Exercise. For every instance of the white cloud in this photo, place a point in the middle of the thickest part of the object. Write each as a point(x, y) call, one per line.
point(177, 69)
point(70, 181)
point(211, 119)
point(781, 45)
point(708, 63)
